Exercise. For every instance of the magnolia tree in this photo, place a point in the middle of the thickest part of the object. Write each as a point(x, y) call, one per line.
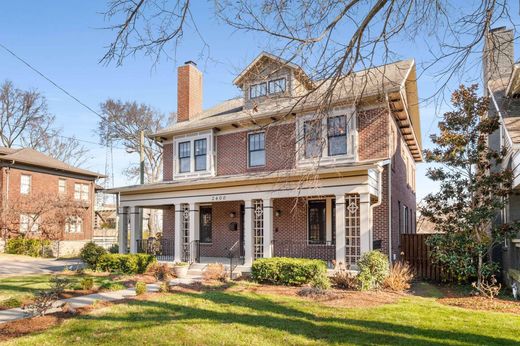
point(472, 190)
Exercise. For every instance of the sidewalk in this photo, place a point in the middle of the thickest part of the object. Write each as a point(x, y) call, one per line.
point(82, 301)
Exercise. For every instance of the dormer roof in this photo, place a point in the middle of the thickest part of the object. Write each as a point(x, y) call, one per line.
point(264, 57)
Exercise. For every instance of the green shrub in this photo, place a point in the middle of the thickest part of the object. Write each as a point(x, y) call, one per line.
point(10, 303)
point(125, 263)
point(114, 248)
point(164, 287)
point(27, 246)
point(140, 288)
point(290, 271)
point(108, 285)
point(373, 269)
point(87, 284)
point(90, 254)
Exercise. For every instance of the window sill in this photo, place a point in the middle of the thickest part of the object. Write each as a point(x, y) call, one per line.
point(326, 160)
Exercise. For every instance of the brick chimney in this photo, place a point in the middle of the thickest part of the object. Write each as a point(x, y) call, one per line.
point(498, 54)
point(189, 91)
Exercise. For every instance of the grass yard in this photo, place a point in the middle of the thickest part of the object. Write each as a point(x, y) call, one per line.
point(242, 316)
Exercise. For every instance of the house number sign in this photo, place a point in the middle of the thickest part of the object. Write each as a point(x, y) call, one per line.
point(218, 198)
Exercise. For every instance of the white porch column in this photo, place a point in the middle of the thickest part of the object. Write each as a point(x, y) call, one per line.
point(177, 233)
point(340, 229)
point(123, 229)
point(268, 227)
point(135, 228)
point(248, 232)
point(194, 221)
point(365, 227)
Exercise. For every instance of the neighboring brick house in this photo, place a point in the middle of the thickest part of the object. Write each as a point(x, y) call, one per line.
point(502, 85)
point(29, 178)
point(269, 175)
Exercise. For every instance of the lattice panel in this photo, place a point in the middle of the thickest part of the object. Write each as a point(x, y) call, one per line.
point(258, 228)
point(352, 229)
point(185, 224)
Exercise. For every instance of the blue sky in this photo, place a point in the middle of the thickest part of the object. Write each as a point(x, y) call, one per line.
point(64, 40)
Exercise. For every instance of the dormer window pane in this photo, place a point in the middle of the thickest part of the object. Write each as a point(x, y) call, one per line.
point(184, 157)
point(200, 154)
point(312, 138)
point(337, 135)
point(277, 86)
point(258, 90)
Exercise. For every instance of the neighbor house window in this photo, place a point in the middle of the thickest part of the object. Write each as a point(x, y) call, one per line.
point(73, 225)
point(317, 221)
point(184, 157)
point(200, 154)
point(312, 138)
point(258, 90)
point(81, 192)
point(25, 184)
point(337, 135)
point(62, 186)
point(256, 149)
point(277, 86)
point(205, 224)
point(28, 223)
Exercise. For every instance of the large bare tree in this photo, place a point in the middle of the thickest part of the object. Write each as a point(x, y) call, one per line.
point(25, 121)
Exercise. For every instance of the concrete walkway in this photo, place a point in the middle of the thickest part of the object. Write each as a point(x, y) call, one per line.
point(19, 265)
point(82, 301)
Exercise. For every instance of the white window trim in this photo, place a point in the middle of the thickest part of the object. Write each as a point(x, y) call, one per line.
point(325, 159)
point(265, 150)
point(78, 225)
point(274, 80)
point(328, 219)
point(210, 169)
point(33, 225)
point(29, 185)
point(81, 192)
point(64, 187)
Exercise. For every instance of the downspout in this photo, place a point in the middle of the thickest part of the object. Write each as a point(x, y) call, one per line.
point(391, 155)
point(380, 194)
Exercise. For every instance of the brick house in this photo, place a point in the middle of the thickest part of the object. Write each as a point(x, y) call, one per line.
point(268, 174)
point(27, 177)
point(502, 85)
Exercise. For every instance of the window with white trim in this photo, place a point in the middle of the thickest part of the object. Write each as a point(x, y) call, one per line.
point(184, 157)
point(25, 184)
point(256, 149)
point(62, 186)
point(277, 86)
point(74, 224)
point(312, 138)
point(201, 148)
point(81, 192)
point(337, 135)
point(29, 223)
point(258, 90)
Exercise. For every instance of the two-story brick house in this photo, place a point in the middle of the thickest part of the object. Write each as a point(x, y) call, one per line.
point(270, 174)
point(27, 177)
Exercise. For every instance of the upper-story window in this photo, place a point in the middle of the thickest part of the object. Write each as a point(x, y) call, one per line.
point(258, 90)
point(277, 86)
point(81, 192)
point(256, 147)
point(62, 186)
point(201, 148)
point(25, 184)
point(184, 157)
point(312, 138)
point(29, 223)
point(337, 135)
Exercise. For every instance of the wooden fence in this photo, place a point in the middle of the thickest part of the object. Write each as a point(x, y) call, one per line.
point(415, 251)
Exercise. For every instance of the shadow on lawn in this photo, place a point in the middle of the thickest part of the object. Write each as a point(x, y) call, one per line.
point(269, 314)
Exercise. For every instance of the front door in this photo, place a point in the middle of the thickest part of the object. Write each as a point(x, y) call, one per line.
point(317, 219)
point(242, 213)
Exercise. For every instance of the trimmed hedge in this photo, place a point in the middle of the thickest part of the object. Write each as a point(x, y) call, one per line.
point(90, 254)
point(373, 269)
point(27, 246)
point(289, 271)
point(125, 263)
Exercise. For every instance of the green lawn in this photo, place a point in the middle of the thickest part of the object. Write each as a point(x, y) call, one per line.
point(245, 318)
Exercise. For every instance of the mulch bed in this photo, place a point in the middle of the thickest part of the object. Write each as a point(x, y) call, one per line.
point(482, 303)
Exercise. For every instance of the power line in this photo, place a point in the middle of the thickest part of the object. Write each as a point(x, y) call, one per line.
point(50, 80)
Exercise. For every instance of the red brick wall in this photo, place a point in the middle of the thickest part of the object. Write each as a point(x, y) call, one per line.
point(279, 150)
point(380, 220)
point(373, 134)
point(292, 222)
point(47, 184)
point(168, 162)
point(222, 237)
point(189, 92)
point(169, 223)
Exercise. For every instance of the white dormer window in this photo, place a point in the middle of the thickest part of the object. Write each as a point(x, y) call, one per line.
point(184, 157)
point(200, 154)
point(258, 90)
point(193, 156)
point(277, 86)
point(327, 140)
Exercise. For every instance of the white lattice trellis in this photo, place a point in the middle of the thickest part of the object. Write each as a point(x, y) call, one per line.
point(258, 228)
point(352, 229)
point(185, 224)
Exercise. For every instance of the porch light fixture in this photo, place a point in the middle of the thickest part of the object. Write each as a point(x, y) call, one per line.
point(232, 214)
point(278, 213)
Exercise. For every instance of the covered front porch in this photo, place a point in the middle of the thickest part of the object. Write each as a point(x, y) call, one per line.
point(239, 224)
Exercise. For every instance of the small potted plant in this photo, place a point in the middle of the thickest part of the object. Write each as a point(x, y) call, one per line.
point(180, 269)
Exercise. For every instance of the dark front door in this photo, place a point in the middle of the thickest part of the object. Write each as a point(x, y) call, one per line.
point(242, 212)
point(205, 224)
point(317, 219)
